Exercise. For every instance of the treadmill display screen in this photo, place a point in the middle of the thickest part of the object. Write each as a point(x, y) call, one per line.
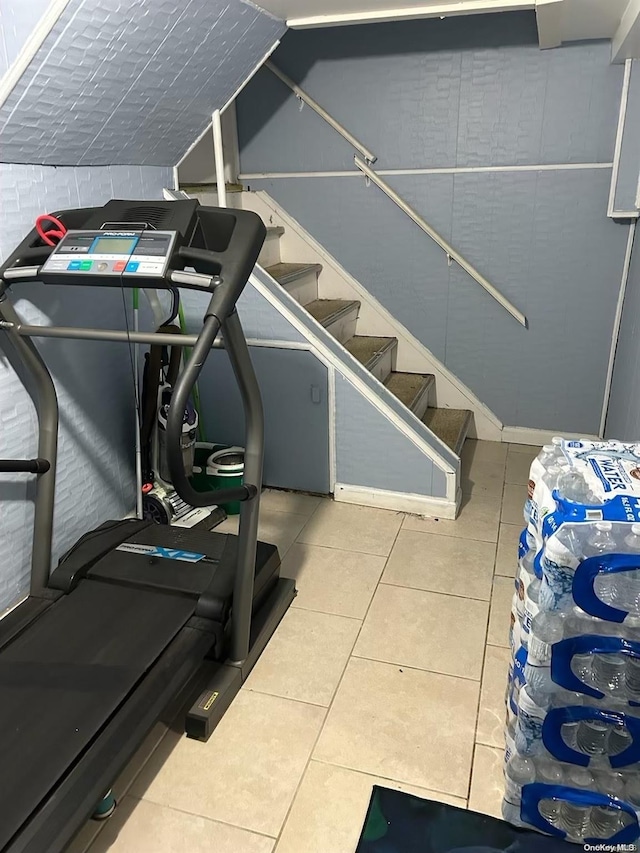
point(114, 245)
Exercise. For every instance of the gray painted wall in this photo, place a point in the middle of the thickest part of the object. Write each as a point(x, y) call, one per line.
point(623, 421)
point(463, 92)
point(94, 383)
point(370, 451)
point(627, 182)
point(295, 397)
point(133, 82)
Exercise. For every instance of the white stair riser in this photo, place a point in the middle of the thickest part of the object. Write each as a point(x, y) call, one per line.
point(344, 327)
point(422, 403)
point(385, 365)
point(305, 288)
point(270, 253)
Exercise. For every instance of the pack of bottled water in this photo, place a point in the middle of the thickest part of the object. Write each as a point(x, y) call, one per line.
point(572, 760)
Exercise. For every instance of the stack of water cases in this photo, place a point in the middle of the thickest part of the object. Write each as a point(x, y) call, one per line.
point(572, 762)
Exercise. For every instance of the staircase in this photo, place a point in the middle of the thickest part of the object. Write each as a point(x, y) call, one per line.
point(378, 354)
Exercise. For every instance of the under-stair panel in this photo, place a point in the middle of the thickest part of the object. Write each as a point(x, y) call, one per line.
point(371, 452)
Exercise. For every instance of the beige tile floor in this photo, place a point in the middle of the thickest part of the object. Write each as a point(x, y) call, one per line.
point(389, 668)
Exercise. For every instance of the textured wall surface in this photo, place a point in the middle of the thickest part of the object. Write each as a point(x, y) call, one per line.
point(17, 19)
point(132, 82)
point(629, 167)
point(463, 93)
point(94, 381)
point(623, 421)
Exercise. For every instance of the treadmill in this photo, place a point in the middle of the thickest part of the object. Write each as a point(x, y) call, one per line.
point(117, 637)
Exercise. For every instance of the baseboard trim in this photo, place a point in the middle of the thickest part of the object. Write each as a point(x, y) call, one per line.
point(398, 501)
point(525, 435)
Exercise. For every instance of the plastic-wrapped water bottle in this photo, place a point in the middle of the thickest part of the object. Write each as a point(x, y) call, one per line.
point(627, 589)
point(532, 710)
point(578, 624)
point(546, 630)
point(618, 740)
point(549, 772)
point(608, 673)
point(605, 822)
point(526, 576)
point(575, 819)
point(601, 542)
point(568, 699)
point(592, 737)
point(632, 679)
point(519, 771)
point(531, 604)
point(510, 740)
point(572, 487)
point(549, 454)
point(560, 559)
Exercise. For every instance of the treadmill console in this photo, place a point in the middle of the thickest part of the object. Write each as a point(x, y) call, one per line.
point(106, 256)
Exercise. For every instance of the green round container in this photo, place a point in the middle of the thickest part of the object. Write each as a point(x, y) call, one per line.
point(217, 466)
point(225, 470)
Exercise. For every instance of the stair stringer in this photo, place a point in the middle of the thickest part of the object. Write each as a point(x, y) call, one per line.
point(357, 396)
point(374, 319)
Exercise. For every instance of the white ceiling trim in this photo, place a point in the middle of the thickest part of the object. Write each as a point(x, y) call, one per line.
point(468, 7)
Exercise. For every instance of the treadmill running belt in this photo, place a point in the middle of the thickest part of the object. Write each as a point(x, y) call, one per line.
point(62, 679)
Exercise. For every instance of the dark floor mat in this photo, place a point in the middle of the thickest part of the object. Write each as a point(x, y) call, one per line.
point(401, 823)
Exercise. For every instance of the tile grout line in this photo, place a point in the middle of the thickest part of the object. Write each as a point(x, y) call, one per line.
point(388, 778)
point(484, 659)
point(437, 591)
point(335, 693)
point(419, 669)
point(200, 816)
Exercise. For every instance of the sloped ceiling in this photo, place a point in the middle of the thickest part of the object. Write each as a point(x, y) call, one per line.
point(131, 81)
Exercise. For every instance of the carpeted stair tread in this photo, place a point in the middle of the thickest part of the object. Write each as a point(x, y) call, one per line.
point(327, 310)
point(285, 273)
point(408, 387)
point(366, 348)
point(450, 425)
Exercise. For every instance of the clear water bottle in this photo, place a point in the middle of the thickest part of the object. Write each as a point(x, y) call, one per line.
point(601, 542)
point(618, 739)
point(549, 772)
point(568, 699)
point(592, 737)
point(609, 674)
point(572, 487)
point(539, 683)
point(546, 630)
point(519, 771)
point(632, 791)
point(549, 455)
point(627, 590)
point(575, 819)
point(531, 604)
point(532, 711)
point(605, 822)
point(526, 576)
point(560, 559)
point(632, 679)
point(510, 739)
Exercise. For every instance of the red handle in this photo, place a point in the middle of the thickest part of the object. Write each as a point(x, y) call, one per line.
point(58, 231)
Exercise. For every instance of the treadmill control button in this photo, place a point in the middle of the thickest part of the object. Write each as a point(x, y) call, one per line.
point(74, 265)
point(102, 267)
point(132, 266)
point(119, 266)
point(86, 265)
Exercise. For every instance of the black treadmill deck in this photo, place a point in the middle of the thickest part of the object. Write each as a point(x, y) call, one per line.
point(62, 679)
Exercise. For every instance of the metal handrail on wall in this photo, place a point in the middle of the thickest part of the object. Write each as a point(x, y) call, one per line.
point(368, 155)
point(451, 252)
point(370, 173)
